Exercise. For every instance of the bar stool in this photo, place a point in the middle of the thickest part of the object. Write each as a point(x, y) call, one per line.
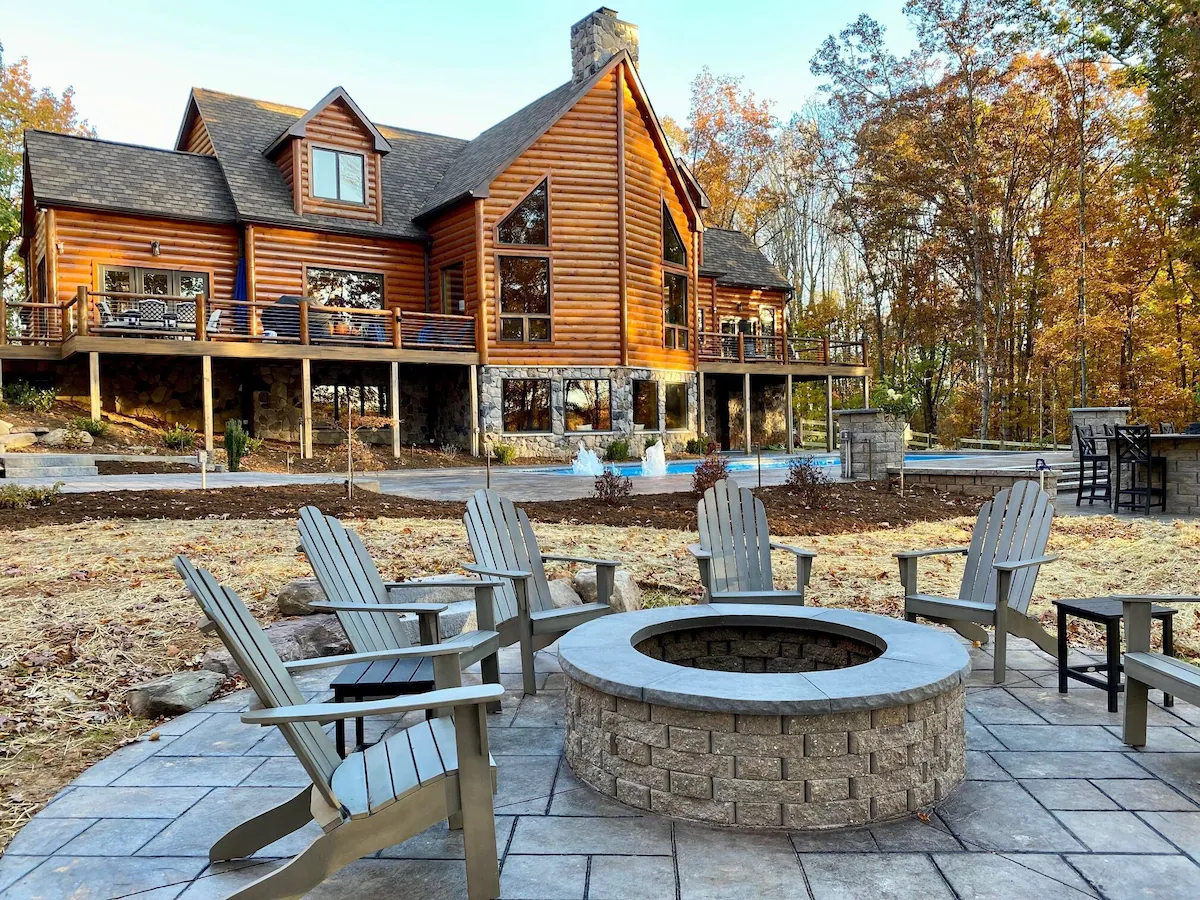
point(1094, 451)
point(1133, 450)
point(1166, 428)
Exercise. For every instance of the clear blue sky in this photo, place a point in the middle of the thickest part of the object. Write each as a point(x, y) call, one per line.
point(453, 67)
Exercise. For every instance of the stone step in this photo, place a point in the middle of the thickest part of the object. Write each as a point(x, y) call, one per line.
point(42, 460)
point(52, 472)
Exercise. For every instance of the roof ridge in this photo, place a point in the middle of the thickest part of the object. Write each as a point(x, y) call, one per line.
point(112, 143)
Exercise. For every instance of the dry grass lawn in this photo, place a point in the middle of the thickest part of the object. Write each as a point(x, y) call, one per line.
point(93, 608)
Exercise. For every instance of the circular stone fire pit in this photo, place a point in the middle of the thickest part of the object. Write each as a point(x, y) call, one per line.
point(766, 716)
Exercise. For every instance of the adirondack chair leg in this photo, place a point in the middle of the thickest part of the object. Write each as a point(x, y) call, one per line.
point(489, 669)
point(606, 577)
point(1025, 626)
point(263, 829)
point(477, 816)
point(528, 676)
point(969, 630)
point(1000, 650)
point(1137, 701)
point(803, 573)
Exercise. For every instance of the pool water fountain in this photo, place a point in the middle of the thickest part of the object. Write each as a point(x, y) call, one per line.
point(587, 462)
point(654, 461)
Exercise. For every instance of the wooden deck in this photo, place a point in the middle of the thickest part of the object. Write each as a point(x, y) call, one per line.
point(804, 357)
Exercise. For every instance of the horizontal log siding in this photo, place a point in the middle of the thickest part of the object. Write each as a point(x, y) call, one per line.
point(579, 153)
point(337, 127)
point(727, 298)
point(280, 256)
point(646, 183)
point(89, 238)
point(198, 140)
point(285, 160)
point(453, 235)
point(38, 251)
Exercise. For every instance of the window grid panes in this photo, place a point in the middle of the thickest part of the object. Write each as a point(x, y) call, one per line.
point(524, 298)
point(454, 300)
point(587, 405)
point(338, 176)
point(528, 223)
point(526, 405)
point(162, 282)
point(645, 405)
point(676, 406)
point(675, 317)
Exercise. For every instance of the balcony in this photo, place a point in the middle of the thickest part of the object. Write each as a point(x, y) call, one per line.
point(720, 351)
point(287, 327)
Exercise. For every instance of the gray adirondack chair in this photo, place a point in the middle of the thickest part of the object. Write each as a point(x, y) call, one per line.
point(734, 552)
point(437, 769)
point(1008, 547)
point(505, 547)
point(1145, 669)
point(358, 595)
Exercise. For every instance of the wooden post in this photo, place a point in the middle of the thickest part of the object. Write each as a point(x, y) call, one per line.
point(396, 448)
point(829, 413)
point(201, 323)
point(700, 420)
point(473, 379)
point(742, 349)
point(304, 324)
point(745, 405)
point(866, 391)
point(81, 304)
point(206, 393)
point(3, 321)
point(306, 440)
point(398, 332)
point(791, 422)
point(94, 385)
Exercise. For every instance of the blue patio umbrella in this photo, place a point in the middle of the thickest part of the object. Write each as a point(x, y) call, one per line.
point(239, 293)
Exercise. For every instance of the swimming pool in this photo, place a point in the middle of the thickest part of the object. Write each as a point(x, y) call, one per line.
point(739, 462)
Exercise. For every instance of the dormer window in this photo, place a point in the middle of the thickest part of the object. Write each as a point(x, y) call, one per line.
point(337, 175)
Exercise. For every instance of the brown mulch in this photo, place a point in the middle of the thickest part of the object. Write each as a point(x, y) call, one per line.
point(846, 508)
point(143, 467)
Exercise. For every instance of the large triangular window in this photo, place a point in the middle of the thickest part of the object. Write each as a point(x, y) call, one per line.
point(528, 223)
point(673, 248)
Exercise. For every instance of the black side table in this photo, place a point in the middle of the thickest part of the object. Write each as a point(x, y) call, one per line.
point(375, 681)
point(1106, 612)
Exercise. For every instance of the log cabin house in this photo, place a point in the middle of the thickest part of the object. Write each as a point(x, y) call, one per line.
point(549, 282)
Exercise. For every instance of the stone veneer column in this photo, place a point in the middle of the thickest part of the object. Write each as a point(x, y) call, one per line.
point(871, 443)
point(1097, 417)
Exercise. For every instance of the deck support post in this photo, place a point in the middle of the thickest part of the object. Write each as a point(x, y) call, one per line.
point(395, 408)
point(94, 385)
point(790, 414)
point(829, 413)
point(306, 416)
point(473, 382)
point(206, 394)
point(746, 409)
point(700, 421)
point(866, 390)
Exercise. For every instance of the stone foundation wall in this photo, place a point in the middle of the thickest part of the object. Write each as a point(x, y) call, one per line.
point(983, 483)
point(561, 444)
point(794, 772)
point(872, 443)
point(1097, 417)
point(745, 648)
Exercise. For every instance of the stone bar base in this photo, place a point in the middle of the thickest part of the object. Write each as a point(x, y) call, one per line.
point(982, 483)
point(1097, 417)
point(872, 442)
point(759, 771)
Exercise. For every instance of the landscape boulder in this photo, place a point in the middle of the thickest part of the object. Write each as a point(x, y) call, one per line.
point(173, 695)
point(306, 638)
point(434, 593)
point(60, 436)
point(562, 594)
point(17, 441)
point(294, 597)
point(626, 596)
point(5, 428)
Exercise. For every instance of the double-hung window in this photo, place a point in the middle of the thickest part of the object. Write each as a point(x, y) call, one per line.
point(675, 285)
point(338, 175)
point(523, 278)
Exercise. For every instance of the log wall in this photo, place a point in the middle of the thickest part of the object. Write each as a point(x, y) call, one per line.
point(453, 236)
point(198, 139)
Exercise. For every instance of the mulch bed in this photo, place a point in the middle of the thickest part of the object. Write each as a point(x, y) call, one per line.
point(146, 467)
point(845, 507)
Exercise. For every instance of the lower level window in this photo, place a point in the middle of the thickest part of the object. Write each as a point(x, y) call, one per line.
point(677, 412)
point(645, 405)
point(588, 406)
point(340, 287)
point(526, 404)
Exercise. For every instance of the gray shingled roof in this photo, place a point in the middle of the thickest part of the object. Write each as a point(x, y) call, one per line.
point(241, 128)
point(94, 174)
point(734, 259)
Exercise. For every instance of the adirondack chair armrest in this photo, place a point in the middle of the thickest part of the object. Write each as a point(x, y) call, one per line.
point(473, 695)
point(798, 551)
point(937, 551)
point(420, 652)
point(557, 557)
point(804, 561)
point(418, 608)
point(449, 582)
point(699, 552)
point(496, 573)
point(1013, 565)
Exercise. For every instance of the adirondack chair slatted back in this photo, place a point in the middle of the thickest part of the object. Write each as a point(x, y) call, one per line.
point(502, 538)
point(733, 528)
point(1015, 524)
point(347, 573)
point(264, 671)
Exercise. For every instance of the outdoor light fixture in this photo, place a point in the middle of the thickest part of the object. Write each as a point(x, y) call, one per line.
point(58, 246)
point(154, 248)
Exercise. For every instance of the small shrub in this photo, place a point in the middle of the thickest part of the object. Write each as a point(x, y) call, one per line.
point(709, 472)
point(807, 480)
point(74, 439)
point(237, 444)
point(253, 445)
point(23, 395)
point(698, 446)
point(612, 487)
point(15, 496)
point(179, 437)
point(449, 451)
point(94, 427)
point(504, 454)
point(618, 451)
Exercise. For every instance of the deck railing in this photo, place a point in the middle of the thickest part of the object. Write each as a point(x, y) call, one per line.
point(753, 348)
point(30, 323)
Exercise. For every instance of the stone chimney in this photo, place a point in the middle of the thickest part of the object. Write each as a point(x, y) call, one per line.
point(597, 38)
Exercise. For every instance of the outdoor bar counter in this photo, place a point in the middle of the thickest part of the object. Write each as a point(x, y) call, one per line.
point(1182, 453)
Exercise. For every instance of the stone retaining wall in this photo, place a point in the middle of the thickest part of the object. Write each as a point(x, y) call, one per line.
point(974, 482)
point(757, 771)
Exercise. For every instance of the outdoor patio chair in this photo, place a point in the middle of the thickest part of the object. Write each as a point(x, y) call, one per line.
point(361, 598)
point(1008, 547)
point(213, 326)
point(1145, 669)
point(1133, 454)
point(152, 313)
point(433, 770)
point(1166, 428)
point(505, 547)
point(734, 552)
point(1092, 450)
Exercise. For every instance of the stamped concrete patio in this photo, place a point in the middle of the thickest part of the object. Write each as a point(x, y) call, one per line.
point(1055, 806)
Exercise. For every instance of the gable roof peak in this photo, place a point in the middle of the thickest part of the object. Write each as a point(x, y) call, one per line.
point(299, 128)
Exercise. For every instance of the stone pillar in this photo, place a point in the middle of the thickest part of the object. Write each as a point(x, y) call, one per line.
point(871, 443)
point(1097, 417)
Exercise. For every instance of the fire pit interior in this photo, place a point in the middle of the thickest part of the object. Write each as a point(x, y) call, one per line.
point(765, 716)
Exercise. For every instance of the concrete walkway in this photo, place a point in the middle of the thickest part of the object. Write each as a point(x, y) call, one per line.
point(1055, 807)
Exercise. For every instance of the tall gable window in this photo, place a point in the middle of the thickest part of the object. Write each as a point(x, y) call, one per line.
point(337, 175)
point(675, 285)
point(529, 222)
